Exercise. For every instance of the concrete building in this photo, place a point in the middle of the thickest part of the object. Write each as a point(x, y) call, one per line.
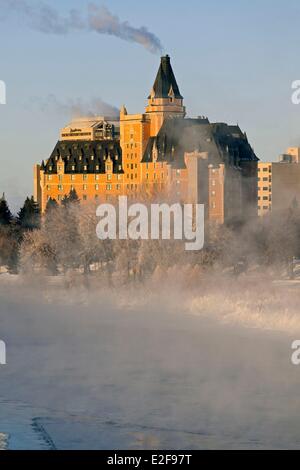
point(279, 182)
point(91, 128)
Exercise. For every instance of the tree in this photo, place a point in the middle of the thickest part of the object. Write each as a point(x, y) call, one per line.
point(5, 214)
point(29, 215)
point(51, 204)
point(71, 198)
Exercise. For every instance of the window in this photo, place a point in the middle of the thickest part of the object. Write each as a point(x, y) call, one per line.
point(96, 177)
point(84, 187)
point(73, 177)
point(60, 187)
point(97, 167)
point(108, 187)
point(213, 193)
point(49, 177)
point(96, 196)
point(84, 177)
point(84, 197)
point(85, 167)
point(59, 168)
point(97, 187)
point(213, 205)
point(118, 186)
point(108, 177)
point(213, 182)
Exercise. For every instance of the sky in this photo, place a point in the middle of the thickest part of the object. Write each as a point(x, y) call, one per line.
point(234, 61)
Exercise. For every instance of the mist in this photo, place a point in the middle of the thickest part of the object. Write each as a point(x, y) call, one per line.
point(42, 17)
point(159, 365)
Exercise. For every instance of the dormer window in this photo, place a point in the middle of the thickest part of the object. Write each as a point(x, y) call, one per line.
point(85, 167)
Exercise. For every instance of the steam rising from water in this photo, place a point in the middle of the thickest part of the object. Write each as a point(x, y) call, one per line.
point(166, 364)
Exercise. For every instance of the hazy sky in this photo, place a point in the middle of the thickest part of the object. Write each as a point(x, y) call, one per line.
point(234, 62)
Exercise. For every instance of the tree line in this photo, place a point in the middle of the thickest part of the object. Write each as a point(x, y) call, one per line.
point(64, 240)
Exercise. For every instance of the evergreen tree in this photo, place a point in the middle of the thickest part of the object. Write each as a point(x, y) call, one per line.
point(29, 215)
point(51, 204)
point(71, 198)
point(5, 214)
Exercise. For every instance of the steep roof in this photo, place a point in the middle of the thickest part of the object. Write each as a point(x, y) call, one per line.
point(165, 83)
point(223, 143)
point(85, 156)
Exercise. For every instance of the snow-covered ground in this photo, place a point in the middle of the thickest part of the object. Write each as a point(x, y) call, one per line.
point(148, 369)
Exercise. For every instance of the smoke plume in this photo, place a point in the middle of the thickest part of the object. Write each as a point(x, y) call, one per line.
point(75, 107)
point(46, 19)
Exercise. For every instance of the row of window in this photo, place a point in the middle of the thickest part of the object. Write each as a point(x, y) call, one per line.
point(265, 169)
point(265, 179)
point(84, 177)
point(154, 176)
point(60, 187)
point(85, 167)
point(131, 146)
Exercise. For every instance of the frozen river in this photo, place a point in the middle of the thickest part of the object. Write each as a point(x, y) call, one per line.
point(101, 377)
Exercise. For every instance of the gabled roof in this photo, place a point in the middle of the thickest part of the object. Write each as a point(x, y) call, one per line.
point(165, 84)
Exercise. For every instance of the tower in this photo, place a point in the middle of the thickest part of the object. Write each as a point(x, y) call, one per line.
point(165, 99)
